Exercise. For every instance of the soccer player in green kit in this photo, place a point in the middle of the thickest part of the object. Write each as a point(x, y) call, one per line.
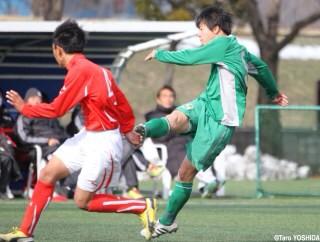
point(212, 117)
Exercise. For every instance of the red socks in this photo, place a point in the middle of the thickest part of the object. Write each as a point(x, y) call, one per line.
point(107, 203)
point(41, 197)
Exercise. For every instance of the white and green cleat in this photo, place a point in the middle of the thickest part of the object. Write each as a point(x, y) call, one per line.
point(161, 229)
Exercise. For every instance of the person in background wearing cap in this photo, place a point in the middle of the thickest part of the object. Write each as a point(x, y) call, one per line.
point(47, 133)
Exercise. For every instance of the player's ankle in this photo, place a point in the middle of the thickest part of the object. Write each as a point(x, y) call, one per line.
point(166, 219)
point(25, 232)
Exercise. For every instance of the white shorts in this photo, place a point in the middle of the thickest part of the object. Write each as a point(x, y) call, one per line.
point(97, 154)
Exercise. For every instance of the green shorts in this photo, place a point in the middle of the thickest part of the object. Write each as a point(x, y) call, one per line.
point(209, 137)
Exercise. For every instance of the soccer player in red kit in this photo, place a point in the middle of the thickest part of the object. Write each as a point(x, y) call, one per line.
point(96, 150)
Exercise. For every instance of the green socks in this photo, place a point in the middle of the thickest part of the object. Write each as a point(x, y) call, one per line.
point(177, 200)
point(157, 127)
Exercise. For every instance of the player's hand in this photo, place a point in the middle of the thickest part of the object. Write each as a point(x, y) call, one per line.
point(133, 138)
point(15, 100)
point(281, 100)
point(150, 56)
point(53, 141)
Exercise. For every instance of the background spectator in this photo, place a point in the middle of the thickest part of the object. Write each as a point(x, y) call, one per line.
point(47, 133)
point(6, 121)
point(175, 143)
point(9, 170)
point(76, 122)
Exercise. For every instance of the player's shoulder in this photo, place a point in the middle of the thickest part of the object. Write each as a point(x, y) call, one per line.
point(85, 66)
point(83, 63)
point(222, 42)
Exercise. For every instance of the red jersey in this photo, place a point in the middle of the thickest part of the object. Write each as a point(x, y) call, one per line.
point(104, 105)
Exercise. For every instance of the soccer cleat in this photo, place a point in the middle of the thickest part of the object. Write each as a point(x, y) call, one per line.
point(212, 188)
point(16, 235)
point(133, 193)
point(161, 229)
point(141, 130)
point(155, 170)
point(9, 193)
point(148, 218)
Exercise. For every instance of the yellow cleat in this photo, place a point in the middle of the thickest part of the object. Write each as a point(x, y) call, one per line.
point(155, 170)
point(148, 218)
point(15, 235)
point(133, 193)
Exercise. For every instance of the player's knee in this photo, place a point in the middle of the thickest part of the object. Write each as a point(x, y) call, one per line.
point(185, 176)
point(47, 176)
point(173, 120)
point(186, 173)
point(177, 120)
point(81, 202)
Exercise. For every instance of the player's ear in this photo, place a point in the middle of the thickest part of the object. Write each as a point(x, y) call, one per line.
point(55, 49)
point(60, 51)
point(215, 29)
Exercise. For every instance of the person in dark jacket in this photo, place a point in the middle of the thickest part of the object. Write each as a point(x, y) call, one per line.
point(175, 143)
point(47, 133)
point(77, 121)
point(9, 169)
point(6, 120)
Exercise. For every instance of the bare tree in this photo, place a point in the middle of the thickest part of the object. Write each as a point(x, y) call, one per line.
point(265, 28)
point(266, 31)
point(48, 9)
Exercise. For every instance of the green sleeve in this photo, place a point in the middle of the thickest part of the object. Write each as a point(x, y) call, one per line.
point(260, 71)
point(209, 53)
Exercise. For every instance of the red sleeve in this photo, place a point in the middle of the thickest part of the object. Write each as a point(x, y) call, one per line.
point(70, 94)
point(126, 117)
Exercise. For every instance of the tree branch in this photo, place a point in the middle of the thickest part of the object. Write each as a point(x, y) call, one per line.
point(273, 19)
point(255, 20)
point(296, 29)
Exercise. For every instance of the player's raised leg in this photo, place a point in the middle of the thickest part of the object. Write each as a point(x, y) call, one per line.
point(101, 167)
point(177, 121)
point(179, 197)
point(109, 203)
point(55, 170)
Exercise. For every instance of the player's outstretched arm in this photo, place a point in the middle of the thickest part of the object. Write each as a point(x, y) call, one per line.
point(71, 93)
point(209, 53)
point(259, 70)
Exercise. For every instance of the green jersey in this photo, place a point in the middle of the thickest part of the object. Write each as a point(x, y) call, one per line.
point(226, 88)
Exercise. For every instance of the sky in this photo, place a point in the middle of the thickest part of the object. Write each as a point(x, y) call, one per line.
point(76, 9)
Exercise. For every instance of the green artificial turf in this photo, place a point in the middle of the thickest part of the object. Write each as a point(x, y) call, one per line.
point(201, 220)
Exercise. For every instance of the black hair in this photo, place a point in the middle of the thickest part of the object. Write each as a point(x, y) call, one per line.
point(70, 37)
point(166, 87)
point(215, 16)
